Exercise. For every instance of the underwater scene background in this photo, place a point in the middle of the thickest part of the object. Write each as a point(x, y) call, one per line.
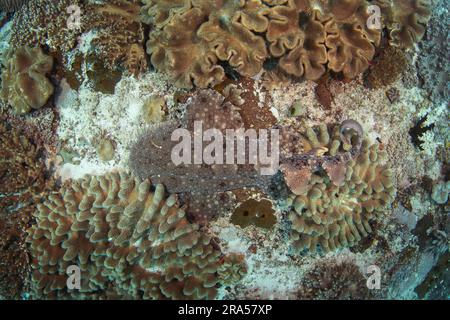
point(119, 177)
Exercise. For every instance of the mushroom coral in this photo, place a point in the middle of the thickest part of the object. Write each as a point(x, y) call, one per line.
point(334, 215)
point(130, 240)
point(24, 82)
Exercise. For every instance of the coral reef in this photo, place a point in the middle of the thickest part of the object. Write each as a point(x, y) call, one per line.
point(387, 68)
point(440, 192)
point(24, 82)
point(114, 27)
point(406, 20)
point(129, 239)
point(153, 109)
point(331, 215)
point(22, 180)
point(432, 65)
point(352, 93)
point(305, 37)
point(11, 5)
point(334, 280)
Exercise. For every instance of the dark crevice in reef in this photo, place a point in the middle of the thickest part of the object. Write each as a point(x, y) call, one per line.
point(271, 64)
point(229, 71)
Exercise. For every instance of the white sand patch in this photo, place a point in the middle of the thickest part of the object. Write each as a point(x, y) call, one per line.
point(87, 116)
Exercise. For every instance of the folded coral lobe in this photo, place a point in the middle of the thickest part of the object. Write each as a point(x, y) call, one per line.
point(24, 82)
point(177, 50)
point(406, 20)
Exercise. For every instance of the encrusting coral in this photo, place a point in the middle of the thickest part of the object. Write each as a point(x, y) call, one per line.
point(334, 213)
point(387, 68)
point(306, 37)
point(24, 82)
point(114, 26)
point(45, 23)
point(119, 34)
point(22, 180)
point(20, 164)
point(334, 280)
point(129, 239)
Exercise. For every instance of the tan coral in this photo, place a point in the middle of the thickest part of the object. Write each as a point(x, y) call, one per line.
point(153, 109)
point(24, 82)
point(169, 47)
point(160, 12)
point(333, 216)
point(21, 167)
point(305, 37)
point(119, 36)
point(351, 44)
point(129, 239)
point(297, 36)
point(229, 33)
point(405, 19)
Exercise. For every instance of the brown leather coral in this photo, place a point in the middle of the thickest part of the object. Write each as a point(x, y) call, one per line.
point(405, 19)
point(296, 33)
point(228, 34)
point(305, 37)
point(24, 82)
point(184, 56)
point(160, 12)
point(351, 44)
